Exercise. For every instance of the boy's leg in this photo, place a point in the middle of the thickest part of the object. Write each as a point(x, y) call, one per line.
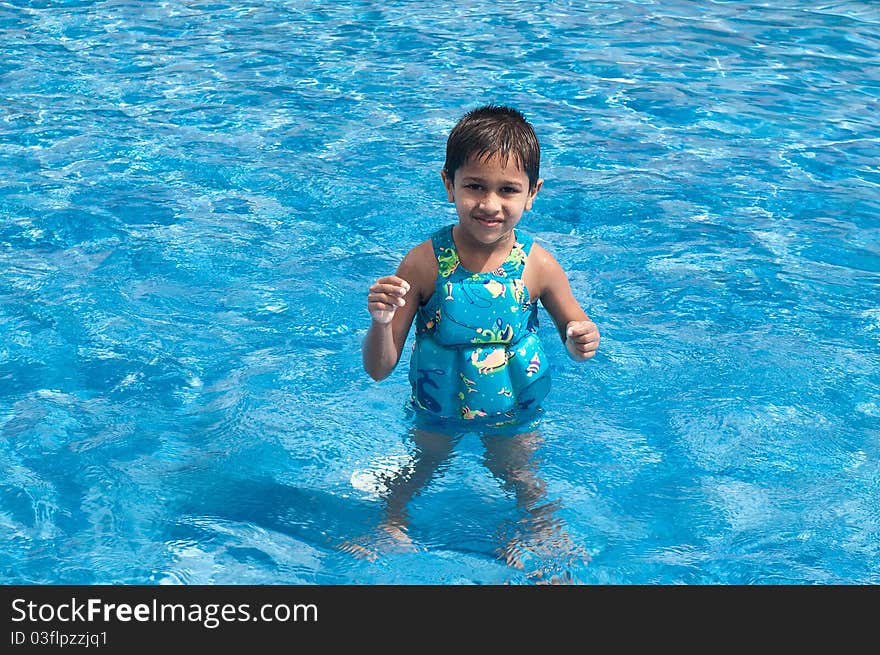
point(431, 454)
point(511, 459)
point(540, 533)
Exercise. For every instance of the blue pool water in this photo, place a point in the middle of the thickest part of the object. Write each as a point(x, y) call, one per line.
point(195, 197)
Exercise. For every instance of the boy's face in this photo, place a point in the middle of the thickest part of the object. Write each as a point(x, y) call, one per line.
point(490, 197)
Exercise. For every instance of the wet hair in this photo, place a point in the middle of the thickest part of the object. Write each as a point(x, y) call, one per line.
point(493, 130)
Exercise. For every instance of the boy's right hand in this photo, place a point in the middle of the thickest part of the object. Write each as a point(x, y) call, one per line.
point(385, 297)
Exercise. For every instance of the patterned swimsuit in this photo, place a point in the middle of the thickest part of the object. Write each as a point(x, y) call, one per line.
point(477, 357)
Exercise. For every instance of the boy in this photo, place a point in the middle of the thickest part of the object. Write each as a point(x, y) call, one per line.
point(475, 287)
point(477, 363)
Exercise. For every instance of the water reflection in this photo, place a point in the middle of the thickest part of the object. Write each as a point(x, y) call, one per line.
point(535, 541)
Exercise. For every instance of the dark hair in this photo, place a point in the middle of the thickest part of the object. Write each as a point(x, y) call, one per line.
point(493, 130)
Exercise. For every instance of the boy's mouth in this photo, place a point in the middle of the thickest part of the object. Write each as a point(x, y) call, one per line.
point(488, 222)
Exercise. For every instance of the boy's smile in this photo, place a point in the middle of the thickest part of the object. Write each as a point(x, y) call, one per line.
point(490, 197)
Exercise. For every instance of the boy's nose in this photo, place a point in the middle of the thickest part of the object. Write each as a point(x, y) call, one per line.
point(490, 204)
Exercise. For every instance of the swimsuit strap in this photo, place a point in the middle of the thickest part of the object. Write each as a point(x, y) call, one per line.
point(443, 242)
point(513, 266)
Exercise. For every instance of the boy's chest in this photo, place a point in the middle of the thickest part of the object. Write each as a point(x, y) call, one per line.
point(479, 309)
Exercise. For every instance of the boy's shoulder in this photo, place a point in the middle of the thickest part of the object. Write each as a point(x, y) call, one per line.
point(540, 257)
point(542, 271)
point(419, 267)
point(422, 251)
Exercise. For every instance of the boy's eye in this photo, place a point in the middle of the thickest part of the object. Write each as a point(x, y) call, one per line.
point(474, 186)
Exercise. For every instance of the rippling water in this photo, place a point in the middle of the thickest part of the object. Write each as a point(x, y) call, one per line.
point(195, 196)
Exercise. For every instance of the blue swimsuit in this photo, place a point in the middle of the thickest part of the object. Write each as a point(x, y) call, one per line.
point(477, 356)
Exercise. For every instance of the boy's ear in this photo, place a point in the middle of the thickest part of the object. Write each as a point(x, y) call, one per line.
point(450, 191)
point(533, 192)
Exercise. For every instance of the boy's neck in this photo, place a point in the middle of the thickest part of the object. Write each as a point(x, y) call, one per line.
point(481, 257)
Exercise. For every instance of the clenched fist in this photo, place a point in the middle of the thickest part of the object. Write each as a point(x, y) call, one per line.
point(581, 339)
point(385, 297)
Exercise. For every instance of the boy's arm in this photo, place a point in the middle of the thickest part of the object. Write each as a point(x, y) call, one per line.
point(577, 331)
point(393, 301)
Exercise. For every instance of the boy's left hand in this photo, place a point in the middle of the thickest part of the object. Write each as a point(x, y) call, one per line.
point(581, 339)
